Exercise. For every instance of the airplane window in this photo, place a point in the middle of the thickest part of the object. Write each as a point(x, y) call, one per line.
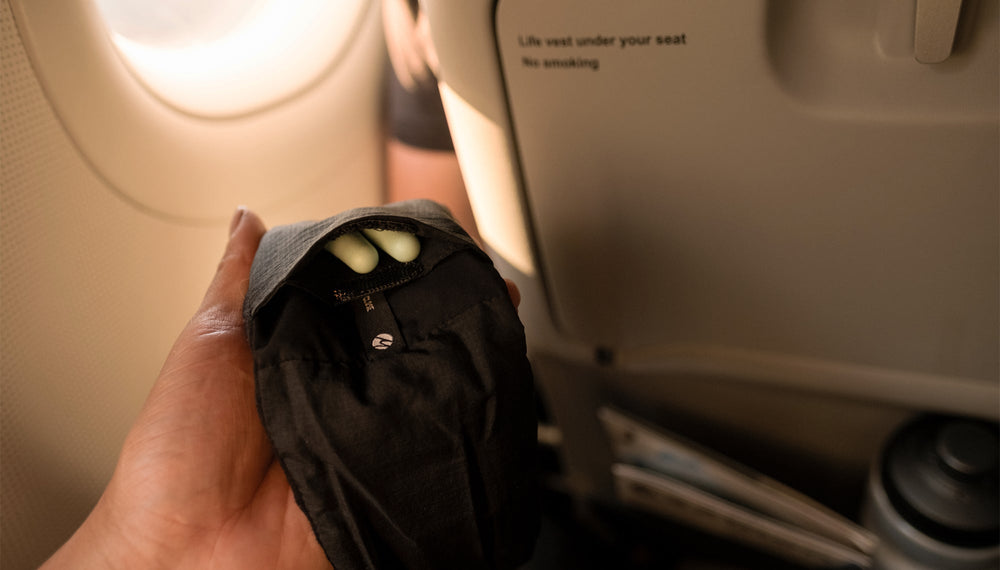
point(220, 58)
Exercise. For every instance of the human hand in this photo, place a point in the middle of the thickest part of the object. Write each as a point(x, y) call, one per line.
point(197, 484)
point(408, 43)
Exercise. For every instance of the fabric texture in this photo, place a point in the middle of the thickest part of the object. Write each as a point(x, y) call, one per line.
point(400, 403)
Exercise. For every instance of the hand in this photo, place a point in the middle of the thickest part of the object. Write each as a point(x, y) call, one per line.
point(408, 42)
point(197, 484)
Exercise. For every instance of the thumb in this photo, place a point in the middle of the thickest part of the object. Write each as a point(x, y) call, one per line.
point(217, 326)
point(224, 298)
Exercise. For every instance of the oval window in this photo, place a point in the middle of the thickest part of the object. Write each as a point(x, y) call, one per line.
point(218, 58)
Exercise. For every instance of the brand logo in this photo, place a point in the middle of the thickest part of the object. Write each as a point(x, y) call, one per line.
point(382, 341)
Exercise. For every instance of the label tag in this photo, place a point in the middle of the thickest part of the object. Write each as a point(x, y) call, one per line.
point(377, 325)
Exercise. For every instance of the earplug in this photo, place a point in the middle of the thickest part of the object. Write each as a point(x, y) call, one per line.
point(401, 246)
point(355, 251)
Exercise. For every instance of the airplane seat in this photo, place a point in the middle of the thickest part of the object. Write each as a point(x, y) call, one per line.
point(115, 196)
point(771, 226)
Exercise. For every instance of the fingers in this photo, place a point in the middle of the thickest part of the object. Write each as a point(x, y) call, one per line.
point(403, 44)
point(515, 293)
point(358, 253)
point(225, 294)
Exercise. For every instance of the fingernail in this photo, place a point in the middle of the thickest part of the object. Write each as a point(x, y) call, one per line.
point(237, 218)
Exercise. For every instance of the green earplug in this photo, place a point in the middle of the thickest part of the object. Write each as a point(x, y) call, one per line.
point(401, 246)
point(355, 251)
point(361, 256)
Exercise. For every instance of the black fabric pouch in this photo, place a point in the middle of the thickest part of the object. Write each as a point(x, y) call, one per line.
point(400, 403)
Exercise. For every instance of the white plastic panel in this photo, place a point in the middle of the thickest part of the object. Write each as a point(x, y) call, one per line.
point(741, 180)
point(179, 166)
point(95, 285)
